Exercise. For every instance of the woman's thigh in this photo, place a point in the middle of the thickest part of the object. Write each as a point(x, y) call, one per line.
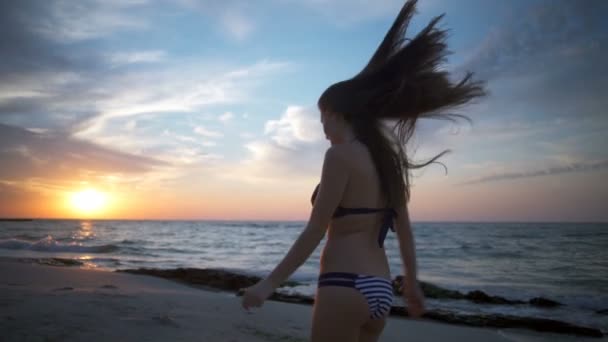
point(371, 330)
point(338, 314)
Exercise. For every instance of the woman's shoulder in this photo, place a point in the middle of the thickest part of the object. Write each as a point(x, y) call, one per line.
point(342, 152)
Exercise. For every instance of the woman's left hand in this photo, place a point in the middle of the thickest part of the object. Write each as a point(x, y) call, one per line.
point(254, 296)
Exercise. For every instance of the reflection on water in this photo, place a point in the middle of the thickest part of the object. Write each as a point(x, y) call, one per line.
point(84, 231)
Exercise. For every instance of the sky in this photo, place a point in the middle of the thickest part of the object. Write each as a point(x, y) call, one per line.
point(204, 109)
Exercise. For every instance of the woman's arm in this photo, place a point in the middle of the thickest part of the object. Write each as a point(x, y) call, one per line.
point(333, 181)
point(412, 293)
point(407, 247)
point(299, 252)
point(334, 177)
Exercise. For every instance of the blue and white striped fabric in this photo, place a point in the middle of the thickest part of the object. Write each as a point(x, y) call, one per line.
point(377, 291)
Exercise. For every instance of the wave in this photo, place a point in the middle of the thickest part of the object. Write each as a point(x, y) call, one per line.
point(28, 237)
point(49, 244)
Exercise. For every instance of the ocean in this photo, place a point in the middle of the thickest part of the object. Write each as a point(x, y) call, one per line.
point(566, 262)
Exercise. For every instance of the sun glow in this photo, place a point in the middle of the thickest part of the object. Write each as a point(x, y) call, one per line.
point(88, 201)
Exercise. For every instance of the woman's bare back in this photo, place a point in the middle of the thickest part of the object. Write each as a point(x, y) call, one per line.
point(352, 241)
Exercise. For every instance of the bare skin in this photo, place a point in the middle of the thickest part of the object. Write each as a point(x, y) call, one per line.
point(349, 179)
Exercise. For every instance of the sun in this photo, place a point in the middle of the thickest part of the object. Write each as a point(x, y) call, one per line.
point(88, 201)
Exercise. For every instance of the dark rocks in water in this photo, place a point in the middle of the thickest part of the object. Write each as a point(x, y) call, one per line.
point(49, 261)
point(228, 281)
point(544, 302)
point(296, 299)
point(68, 288)
point(482, 297)
point(434, 291)
point(429, 290)
point(60, 262)
point(504, 321)
point(219, 279)
point(208, 277)
point(602, 312)
point(477, 296)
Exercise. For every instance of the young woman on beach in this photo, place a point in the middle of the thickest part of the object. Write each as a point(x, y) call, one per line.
point(365, 183)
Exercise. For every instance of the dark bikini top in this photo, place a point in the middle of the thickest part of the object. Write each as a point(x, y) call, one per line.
point(387, 222)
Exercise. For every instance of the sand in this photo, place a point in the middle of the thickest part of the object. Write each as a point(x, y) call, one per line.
point(46, 303)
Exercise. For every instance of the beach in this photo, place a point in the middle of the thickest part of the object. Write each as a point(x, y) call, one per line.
point(49, 303)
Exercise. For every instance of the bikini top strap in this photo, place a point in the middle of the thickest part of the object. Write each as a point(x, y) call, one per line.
point(387, 222)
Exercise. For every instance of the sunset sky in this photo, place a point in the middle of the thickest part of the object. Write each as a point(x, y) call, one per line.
point(190, 109)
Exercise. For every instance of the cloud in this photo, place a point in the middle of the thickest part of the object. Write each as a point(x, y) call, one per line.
point(41, 78)
point(349, 12)
point(545, 68)
point(130, 125)
point(237, 24)
point(234, 17)
point(293, 147)
point(25, 51)
point(85, 102)
point(132, 57)
point(178, 87)
point(50, 162)
point(546, 32)
point(66, 85)
point(228, 116)
point(297, 125)
point(104, 110)
point(501, 130)
point(585, 166)
point(27, 154)
point(67, 21)
point(120, 111)
point(207, 133)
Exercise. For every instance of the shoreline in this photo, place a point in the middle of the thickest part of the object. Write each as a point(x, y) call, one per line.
point(480, 311)
point(73, 304)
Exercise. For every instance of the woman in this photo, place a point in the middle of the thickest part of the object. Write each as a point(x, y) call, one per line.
point(365, 183)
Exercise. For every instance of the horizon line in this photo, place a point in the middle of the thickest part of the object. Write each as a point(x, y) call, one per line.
point(15, 219)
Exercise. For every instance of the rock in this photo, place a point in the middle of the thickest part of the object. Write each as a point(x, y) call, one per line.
point(504, 321)
point(46, 261)
point(297, 299)
point(219, 279)
point(429, 290)
point(67, 288)
point(58, 262)
point(229, 281)
point(544, 302)
point(478, 296)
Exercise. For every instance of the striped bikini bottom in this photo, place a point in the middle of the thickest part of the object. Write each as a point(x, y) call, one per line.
point(377, 291)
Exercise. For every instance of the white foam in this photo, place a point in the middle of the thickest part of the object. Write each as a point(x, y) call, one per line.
point(49, 244)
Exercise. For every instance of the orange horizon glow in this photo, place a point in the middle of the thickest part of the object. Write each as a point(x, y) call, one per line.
point(433, 200)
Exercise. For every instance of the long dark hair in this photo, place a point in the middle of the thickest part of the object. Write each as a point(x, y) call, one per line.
point(400, 82)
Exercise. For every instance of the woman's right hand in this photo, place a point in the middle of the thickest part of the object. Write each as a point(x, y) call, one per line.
point(254, 296)
point(414, 297)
